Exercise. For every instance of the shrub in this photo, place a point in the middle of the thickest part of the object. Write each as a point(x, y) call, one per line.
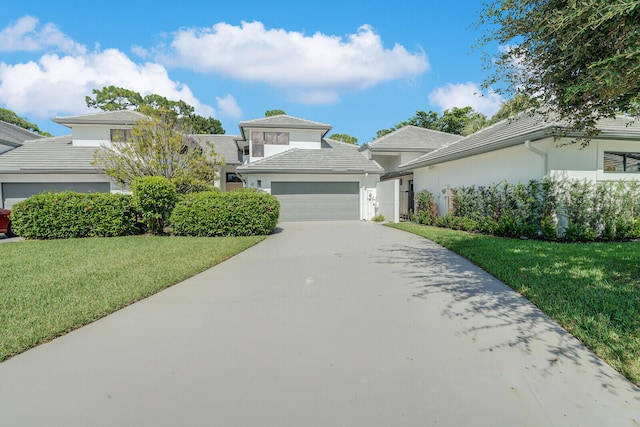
point(378, 218)
point(69, 214)
point(236, 213)
point(426, 208)
point(155, 197)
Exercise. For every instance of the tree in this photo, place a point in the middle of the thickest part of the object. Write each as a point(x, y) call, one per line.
point(510, 108)
point(459, 121)
point(113, 98)
point(344, 138)
point(270, 113)
point(9, 116)
point(578, 60)
point(164, 148)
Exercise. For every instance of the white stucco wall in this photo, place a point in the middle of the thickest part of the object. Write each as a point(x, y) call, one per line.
point(366, 183)
point(388, 199)
point(515, 164)
point(298, 138)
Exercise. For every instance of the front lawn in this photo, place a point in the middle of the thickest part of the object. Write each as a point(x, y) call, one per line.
point(48, 288)
point(592, 289)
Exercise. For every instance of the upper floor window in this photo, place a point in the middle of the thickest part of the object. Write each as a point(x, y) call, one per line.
point(120, 135)
point(621, 162)
point(260, 139)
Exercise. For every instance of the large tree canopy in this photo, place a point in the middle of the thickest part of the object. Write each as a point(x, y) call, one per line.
point(9, 116)
point(158, 147)
point(111, 98)
point(459, 121)
point(343, 137)
point(578, 59)
point(270, 113)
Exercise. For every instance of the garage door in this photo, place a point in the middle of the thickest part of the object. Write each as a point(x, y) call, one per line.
point(317, 201)
point(13, 192)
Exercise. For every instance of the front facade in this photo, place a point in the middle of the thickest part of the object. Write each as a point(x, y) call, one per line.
point(313, 178)
point(524, 149)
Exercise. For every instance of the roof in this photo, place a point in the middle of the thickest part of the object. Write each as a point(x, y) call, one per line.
point(14, 136)
point(514, 131)
point(411, 138)
point(224, 145)
point(283, 121)
point(120, 117)
point(334, 157)
point(54, 154)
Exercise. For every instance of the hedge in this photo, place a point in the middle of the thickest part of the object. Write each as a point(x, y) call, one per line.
point(236, 213)
point(69, 214)
point(154, 197)
point(551, 209)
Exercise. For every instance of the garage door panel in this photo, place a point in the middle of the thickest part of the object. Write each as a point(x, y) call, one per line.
point(13, 192)
point(317, 201)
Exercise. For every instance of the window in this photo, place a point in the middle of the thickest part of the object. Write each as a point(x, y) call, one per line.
point(621, 162)
point(259, 139)
point(232, 177)
point(120, 135)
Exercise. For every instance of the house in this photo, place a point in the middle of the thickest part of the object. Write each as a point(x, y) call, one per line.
point(524, 148)
point(65, 162)
point(12, 136)
point(314, 178)
point(402, 146)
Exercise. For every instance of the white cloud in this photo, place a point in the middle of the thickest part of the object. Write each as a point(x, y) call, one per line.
point(228, 107)
point(58, 84)
point(292, 59)
point(466, 94)
point(27, 35)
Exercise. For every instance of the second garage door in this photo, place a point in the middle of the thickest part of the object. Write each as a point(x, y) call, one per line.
point(12, 193)
point(317, 201)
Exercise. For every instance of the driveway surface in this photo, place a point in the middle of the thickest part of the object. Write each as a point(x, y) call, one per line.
point(322, 324)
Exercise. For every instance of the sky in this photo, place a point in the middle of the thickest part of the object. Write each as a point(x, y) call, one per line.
point(358, 66)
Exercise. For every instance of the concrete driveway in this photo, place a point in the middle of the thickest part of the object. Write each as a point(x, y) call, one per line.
point(322, 324)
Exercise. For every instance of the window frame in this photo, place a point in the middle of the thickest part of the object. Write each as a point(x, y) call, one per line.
point(625, 155)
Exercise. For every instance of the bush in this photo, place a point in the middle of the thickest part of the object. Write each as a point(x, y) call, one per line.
point(155, 197)
point(69, 215)
point(378, 218)
point(236, 213)
point(426, 208)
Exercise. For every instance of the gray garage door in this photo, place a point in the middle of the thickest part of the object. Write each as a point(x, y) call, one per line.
point(317, 201)
point(13, 192)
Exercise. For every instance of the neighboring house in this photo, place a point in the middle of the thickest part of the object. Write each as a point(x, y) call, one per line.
point(522, 149)
point(401, 146)
point(12, 136)
point(314, 178)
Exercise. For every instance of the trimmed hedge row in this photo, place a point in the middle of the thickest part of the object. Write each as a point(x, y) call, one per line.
point(69, 214)
point(237, 213)
point(551, 209)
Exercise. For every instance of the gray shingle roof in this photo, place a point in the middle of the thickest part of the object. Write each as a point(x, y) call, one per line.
point(122, 117)
point(48, 155)
point(13, 135)
point(411, 138)
point(333, 158)
point(283, 121)
point(514, 131)
point(224, 145)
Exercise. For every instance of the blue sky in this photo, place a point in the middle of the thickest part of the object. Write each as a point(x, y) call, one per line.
point(359, 66)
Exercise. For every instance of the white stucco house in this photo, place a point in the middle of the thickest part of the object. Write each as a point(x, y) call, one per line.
point(524, 148)
point(314, 178)
point(64, 162)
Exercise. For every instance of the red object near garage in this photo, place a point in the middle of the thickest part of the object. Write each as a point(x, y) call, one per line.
point(5, 223)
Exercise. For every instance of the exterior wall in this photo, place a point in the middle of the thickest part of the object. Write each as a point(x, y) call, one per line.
point(366, 182)
point(391, 161)
point(388, 199)
point(222, 183)
point(91, 135)
point(515, 164)
point(298, 138)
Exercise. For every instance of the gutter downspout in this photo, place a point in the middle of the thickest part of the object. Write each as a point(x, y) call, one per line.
point(542, 154)
point(364, 207)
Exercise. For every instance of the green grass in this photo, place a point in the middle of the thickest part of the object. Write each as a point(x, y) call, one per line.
point(592, 289)
point(48, 288)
